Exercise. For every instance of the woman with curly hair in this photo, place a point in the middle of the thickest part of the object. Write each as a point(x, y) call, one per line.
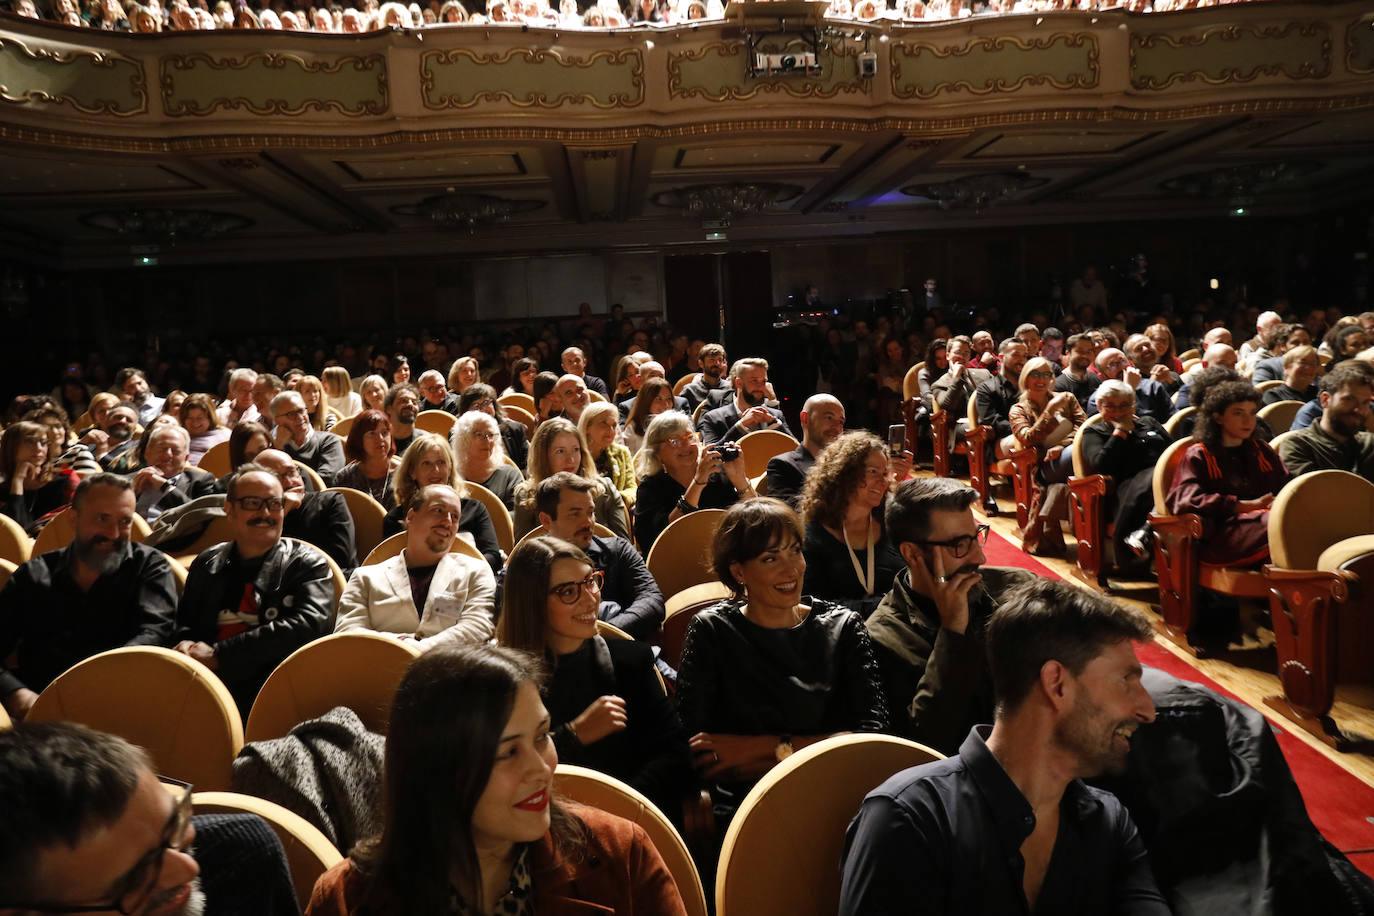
point(848, 556)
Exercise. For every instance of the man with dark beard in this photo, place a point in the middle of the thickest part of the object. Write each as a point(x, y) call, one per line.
point(1007, 825)
point(711, 381)
point(402, 407)
point(747, 412)
point(117, 437)
point(99, 592)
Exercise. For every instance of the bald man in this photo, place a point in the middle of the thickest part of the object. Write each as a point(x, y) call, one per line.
point(1218, 354)
point(822, 420)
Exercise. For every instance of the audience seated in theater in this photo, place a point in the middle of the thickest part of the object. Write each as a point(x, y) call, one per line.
point(372, 392)
point(1078, 378)
point(936, 365)
point(822, 420)
point(402, 407)
point(434, 392)
point(711, 379)
point(996, 396)
point(1145, 358)
point(425, 593)
point(630, 598)
point(64, 452)
point(575, 363)
point(747, 412)
point(465, 371)
point(1007, 825)
point(371, 458)
point(601, 432)
point(279, 594)
point(202, 422)
point(678, 474)
point(311, 390)
point(1260, 347)
point(1163, 339)
point(1301, 368)
point(1281, 339)
point(1046, 422)
point(166, 481)
point(1346, 342)
point(607, 707)
point(429, 460)
point(849, 558)
point(318, 450)
point(89, 826)
point(99, 592)
point(953, 390)
point(1218, 354)
point(928, 630)
point(1151, 398)
point(339, 393)
point(522, 377)
point(558, 446)
point(133, 384)
point(648, 372)
point(482, 397)
point(321, 519)
point(469, 738)
point(572, 394)
point(266, 387)
point(1339, 440)
point(546, 400)
point(482, 459)
point(1229, 477)
point(771, 669)
point(1126, 448)
point(655, 397)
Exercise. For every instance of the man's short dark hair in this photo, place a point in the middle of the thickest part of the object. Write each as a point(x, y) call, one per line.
point(396, 390)
point(711, 349)
point(1051, 333)
point(123, 375)
point(273, 381)
point(908, 511)
point(60, 781)
point(550, 490)
point(1073, 340)
point(1007, 344)
point(1349, 372)
point(1025, 327)
point(1046, 620)
point(103, 479)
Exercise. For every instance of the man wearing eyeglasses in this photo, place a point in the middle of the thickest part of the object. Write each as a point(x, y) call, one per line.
point(252, 601)
point(1151, 398)
point(89, 828)
point(928, 631)
point(436, 394)
point(320, 451)
point(425, 593)
point(630, 598)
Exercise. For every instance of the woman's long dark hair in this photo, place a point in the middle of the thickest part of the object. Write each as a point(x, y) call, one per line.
point(638, 420)
point(1221, 396)
point(525, 598)
point(478, 391)
point(936, 345)
point(239, 437)
point(835, 477)
point(446, 723)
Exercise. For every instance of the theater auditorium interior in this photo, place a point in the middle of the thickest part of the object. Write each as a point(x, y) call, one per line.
point(850, 191)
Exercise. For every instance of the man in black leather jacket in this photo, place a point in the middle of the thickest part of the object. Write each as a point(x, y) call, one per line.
point(252, 601)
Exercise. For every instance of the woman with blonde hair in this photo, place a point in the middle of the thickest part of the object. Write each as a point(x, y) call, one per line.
point(463, 373)
point(311, 390)
point(481, 458)
point(600, 429)
point(429, 460)
point(1046, 421)
point(372, 393)
point(558, 446)
point(339, 393)
point(849, 558)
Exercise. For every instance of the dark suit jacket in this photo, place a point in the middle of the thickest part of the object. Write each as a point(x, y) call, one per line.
point(323, 520)
point(630, 597)
point(786, 474)
point(191, 483)
point(595, 384)
point(722, 424)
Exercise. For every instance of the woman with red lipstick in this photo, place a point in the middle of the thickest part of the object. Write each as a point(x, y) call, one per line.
point(608, 708)
point(470, 824)
point(770, 670)
point(848, 556)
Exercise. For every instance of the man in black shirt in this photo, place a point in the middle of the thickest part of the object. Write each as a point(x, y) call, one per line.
point(100, 592)
point(822, 420)
point(1007, 826)
point(321, 519)
point(1076, 377)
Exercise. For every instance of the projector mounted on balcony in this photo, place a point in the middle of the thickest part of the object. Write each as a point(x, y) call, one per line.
point(787, 63)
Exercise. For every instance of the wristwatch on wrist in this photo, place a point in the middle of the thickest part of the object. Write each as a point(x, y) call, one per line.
point(784, 748)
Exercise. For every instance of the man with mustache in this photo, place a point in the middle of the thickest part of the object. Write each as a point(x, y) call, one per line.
point(118, 435)
point(630, 598)
point(928, 631)
point(711, 379)
point(402, 406)
point(747, 412)
point(99, 592)
point(252, 601)
point(1007, 825)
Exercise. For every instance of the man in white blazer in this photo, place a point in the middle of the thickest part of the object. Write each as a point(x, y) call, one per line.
point(456, 591)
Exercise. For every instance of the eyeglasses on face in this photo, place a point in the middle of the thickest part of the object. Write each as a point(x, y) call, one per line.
point(960, 546)
point(132, 891)
point(257, 503)
point(681, 441)
point(569, 592)
point(1040, 373)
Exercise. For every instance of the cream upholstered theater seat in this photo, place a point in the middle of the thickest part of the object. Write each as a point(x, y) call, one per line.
point(216, 459)
point(357, 669)
point(1315, 512)
point(162, 701)
point(911, 382)
point(309, 853)
point(520, 415)
point(679, 611)
point(15, 543)
point(762, 445)
point(517, 399)
point(340, 429)
point(311, 477)
point(782, 853)
point(597, 790)
point(681, 557)
point(1171, 426)
point(439, 422)
point(60, 530)
point(500, 515)
point(1280, 415)
point(368, 516)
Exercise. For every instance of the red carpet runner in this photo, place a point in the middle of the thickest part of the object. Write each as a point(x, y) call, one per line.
point(1341, 805)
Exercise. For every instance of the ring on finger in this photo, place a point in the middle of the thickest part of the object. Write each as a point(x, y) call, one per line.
point(942, 579)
